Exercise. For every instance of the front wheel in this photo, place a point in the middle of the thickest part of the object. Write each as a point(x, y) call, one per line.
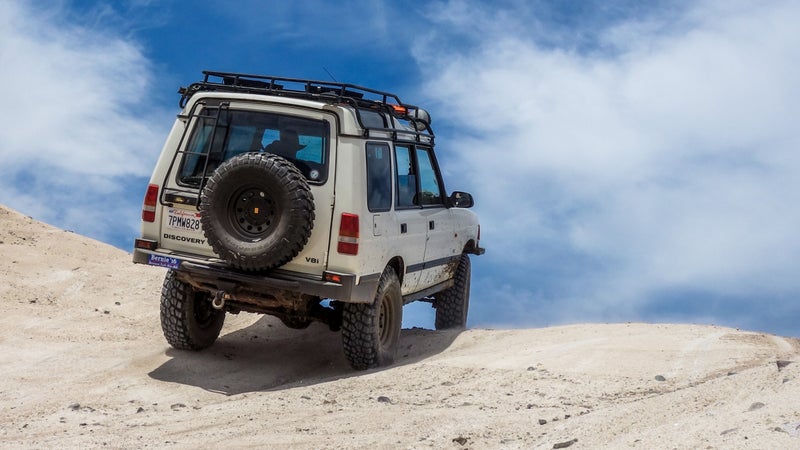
point(452, 304)
point(188, 320)
point(370, 331)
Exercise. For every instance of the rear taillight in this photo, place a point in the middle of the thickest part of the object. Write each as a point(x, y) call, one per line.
point(145, 244)
point(348, 234)
point(150, 201)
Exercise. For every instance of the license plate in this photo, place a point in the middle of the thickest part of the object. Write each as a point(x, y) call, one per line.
point(179, 219)
point(164, 261)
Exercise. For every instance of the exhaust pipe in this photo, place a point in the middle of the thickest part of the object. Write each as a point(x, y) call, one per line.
point(219, 300)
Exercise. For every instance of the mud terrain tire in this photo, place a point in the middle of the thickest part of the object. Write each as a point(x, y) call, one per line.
point(452, 304)
point(257, 211)
point(188, 320)
point(370, 331)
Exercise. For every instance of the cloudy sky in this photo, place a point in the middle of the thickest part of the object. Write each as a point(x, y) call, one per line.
point(631, 161)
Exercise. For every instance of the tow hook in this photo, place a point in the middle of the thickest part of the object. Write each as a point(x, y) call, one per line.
point(219, 300)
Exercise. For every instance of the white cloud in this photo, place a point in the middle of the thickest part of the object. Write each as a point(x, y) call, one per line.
point(77, 124)
point(667, 161)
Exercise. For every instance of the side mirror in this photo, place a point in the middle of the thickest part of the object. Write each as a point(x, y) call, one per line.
point(460, 199)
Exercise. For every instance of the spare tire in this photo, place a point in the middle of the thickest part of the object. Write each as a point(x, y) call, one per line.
point(257, 211)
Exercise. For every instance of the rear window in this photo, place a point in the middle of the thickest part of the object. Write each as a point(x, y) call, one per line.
point(221, 134)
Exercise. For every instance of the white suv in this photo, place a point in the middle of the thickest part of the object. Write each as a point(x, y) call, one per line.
point(306, 200)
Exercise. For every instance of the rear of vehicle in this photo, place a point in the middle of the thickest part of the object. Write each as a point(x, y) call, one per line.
point(216, 129)
point(223, 137)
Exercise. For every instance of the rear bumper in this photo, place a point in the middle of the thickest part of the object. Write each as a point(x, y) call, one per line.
point(219, 276)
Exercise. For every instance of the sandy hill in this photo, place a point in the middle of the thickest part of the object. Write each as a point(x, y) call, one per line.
point(83, 364)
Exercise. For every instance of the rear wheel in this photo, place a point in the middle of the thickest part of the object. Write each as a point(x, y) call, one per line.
point(452, 304)
point(188, 320)
point(370, 331)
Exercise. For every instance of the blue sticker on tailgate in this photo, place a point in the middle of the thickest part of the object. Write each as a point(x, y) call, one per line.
point(164, 261)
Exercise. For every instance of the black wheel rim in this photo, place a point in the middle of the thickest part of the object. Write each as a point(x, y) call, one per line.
point(204, 313)
point(252, 213)
point(385, 319)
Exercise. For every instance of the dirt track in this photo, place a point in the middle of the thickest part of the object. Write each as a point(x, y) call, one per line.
point(84, 364)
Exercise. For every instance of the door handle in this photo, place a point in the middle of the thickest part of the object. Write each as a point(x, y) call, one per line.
point(431, 225)
point(403, 228)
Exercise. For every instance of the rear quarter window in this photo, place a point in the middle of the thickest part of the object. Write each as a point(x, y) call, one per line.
point(379, 177)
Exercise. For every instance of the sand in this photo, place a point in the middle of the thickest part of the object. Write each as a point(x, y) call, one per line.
point(83, 364)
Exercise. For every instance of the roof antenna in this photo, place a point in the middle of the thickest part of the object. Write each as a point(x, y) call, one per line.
point(329, 74)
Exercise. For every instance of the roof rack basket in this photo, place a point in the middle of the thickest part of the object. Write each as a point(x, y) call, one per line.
point(354, 95)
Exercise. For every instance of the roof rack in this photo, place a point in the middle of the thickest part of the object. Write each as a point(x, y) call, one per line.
point(354, 95)
point(292, 87)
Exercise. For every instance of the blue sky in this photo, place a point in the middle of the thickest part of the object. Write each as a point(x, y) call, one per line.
point(631, 161)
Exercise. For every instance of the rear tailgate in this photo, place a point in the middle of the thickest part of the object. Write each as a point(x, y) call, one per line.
point(230, 129)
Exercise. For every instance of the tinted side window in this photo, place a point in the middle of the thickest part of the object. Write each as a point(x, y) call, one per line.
point(379, 177)
point(430, 185)
point(406, 177)
point(371, 119)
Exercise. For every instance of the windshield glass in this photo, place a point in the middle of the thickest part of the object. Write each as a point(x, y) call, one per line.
point(302, 141)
